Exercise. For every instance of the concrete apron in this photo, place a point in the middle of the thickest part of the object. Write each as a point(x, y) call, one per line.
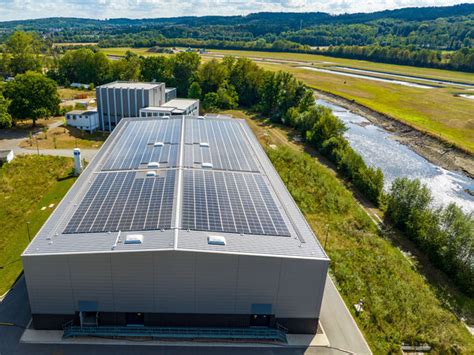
point(33, 336)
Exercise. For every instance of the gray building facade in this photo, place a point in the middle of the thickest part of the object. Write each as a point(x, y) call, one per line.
point(118, 99)
point(177, 222)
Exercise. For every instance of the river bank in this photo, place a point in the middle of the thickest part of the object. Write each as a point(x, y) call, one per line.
point(431, 148)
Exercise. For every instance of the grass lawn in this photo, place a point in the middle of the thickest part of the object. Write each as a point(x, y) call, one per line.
point(27, 184)
point(399, 304)
point(65, 138)
point(71, 94)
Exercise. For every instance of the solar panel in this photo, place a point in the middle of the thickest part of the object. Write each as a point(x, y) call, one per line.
point(125, 201)
point(230, 202)
point(220, 142)
point(146, 141)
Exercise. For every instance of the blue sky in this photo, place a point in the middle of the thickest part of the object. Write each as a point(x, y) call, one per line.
point(23, 9)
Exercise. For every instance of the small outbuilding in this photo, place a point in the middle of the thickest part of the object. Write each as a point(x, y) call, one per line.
point(87, 120)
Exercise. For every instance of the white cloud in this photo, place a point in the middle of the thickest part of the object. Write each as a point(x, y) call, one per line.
point(22, 9)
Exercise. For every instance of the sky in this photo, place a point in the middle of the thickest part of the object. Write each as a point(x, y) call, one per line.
point(26, 9)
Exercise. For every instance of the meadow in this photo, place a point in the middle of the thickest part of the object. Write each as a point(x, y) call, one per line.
point(360, 64)
point(27, 184)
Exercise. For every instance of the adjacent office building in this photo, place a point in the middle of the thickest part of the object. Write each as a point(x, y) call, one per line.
point(119, 99)
point(178, 222)
point(175, 107)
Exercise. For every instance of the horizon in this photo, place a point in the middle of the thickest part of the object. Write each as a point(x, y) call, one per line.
point(138, 9)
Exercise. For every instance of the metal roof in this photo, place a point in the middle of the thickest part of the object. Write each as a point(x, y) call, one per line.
point(182, 104)
point(82, 112)
point(211, 178)
point(130, 85)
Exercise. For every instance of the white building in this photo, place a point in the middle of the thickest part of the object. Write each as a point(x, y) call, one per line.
point(175, 107)
point(87, 120)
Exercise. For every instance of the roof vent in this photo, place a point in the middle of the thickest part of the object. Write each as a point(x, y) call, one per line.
point(134, 239)
point(158, 144)
point(151, 173)
point(153, 164)
point(207, 165)
point(215, 240)
point(204, 144)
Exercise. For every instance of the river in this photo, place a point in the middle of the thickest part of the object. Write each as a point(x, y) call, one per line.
point(379, 148)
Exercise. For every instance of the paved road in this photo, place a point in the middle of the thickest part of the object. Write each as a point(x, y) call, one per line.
point(11, 139)
point(86, 154)
point(340, 327)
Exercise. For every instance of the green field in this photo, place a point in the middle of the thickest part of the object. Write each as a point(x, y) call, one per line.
point(360, 64)
point(434, 111)
point(120, 51)
point(27, 184)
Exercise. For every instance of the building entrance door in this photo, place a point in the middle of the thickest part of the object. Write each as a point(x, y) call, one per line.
point(135, 319)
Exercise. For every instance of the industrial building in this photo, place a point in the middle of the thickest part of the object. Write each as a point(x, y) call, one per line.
point(178, 222)
point(121, 99)
point(175, 107)
point(87, 120)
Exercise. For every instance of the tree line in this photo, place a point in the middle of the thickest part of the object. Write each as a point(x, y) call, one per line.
point(445, 234)
point(461, 59)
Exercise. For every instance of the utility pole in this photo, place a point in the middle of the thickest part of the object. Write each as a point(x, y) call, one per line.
point(28, 229)
point(37, 147)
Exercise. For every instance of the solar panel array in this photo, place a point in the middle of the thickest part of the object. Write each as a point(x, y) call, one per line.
point(139, 146)
point(125, 201)
point(230, 202)
point(219, 142)
point(230, 195)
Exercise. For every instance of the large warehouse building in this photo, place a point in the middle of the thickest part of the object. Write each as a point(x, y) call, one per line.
point(178, 222)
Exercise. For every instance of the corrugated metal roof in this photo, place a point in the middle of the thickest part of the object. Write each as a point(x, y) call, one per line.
point(267, 221)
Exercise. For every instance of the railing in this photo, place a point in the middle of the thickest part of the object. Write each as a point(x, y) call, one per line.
point(180, 333)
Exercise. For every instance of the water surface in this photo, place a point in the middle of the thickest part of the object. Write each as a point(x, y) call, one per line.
point(379, 148)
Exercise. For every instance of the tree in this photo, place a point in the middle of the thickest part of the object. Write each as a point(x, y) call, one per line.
point(195, 91)
point(227, 97)
point(212, 75)
point(185, 66)
point(5, 117)
point(21, 53)
point(157, 68)
point(127, 68)
point(211, 101)
point(32, 96)
point(82, 66)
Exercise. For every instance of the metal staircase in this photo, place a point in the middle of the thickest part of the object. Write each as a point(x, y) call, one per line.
point(257, 334)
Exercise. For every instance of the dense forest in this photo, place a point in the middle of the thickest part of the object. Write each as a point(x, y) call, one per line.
point(432, 36)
